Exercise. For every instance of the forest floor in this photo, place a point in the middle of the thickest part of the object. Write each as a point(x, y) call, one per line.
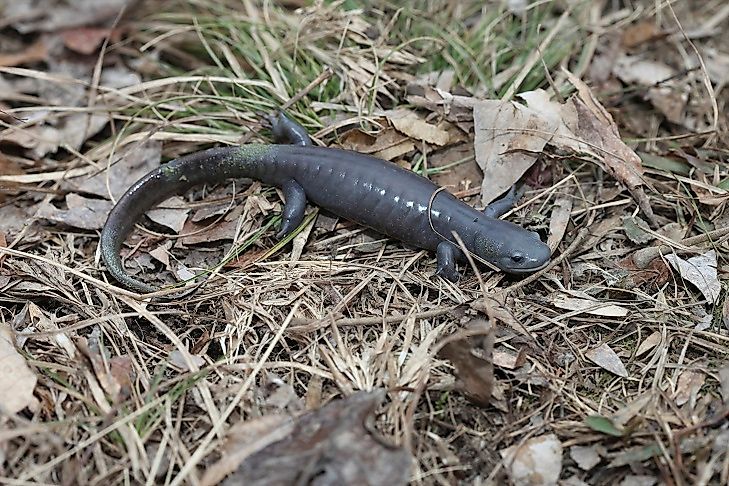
point(337, 356)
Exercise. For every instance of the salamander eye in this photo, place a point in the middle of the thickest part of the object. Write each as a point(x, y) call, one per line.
point(517, 257)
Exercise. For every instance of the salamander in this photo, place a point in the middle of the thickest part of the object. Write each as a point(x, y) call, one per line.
point(369, 191)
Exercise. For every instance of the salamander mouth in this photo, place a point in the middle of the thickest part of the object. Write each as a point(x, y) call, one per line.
point(522, 271)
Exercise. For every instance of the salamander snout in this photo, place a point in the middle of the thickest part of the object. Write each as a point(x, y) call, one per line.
point(527, 254)
point(513, 249)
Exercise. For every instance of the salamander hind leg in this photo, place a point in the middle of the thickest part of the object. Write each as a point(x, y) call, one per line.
point(287, 131)
point(447, 254)
point(294, 206)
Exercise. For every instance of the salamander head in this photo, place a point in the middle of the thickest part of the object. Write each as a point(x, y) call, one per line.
point(512, 248)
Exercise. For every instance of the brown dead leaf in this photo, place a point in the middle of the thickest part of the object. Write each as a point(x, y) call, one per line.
point(17, 381)
point(206, 233)
point(71, 130)
point(389, 144)
point(82, 212)
point(40, 321)
point(606, 358)
point(649, 343)
point(507, 359)
point(332, 442)
point(14, 218)
point(472, 357)
point(244, 439)
point(129, 165)
point(162, 253)
point(459, 177)
point(508, 139)
point(53, 15)
point(86, 40)
point(114, 374)
point(655, 274)
point(182, 361)
point(172, 214)
point(640, 33)
point(666, 94)
point(561, 213)
point(33, 53)
point(579, 301)
point(624, 415)
point(411, 125)
point(594, 125)
point(688, 386)
point(701, 271)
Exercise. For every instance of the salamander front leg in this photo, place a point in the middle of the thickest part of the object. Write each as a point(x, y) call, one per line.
point(294, 206)
point(447, 254)
point(501, 206)
point(287, 131)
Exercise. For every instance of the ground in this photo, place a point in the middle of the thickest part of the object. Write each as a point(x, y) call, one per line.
point(337, 355)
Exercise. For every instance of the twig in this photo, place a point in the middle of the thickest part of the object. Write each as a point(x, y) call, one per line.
point(301, 326)
point(642, 258)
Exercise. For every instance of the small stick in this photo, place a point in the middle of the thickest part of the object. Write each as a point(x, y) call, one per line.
point(643, 257)
point(304, 326)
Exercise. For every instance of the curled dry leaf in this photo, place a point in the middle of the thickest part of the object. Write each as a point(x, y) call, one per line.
point(128, 166)
point(606, 358)
point(510, 136)
point(596, 129)
point(588, 305)
point(508, 139)
point(244, 439)
point(333, 442)
point(389, 144)
point(663, 92)
point(688, 386)
point(649, 343)
point(537, 462)
point(472, 357)
point(17, 381)
point(114, 375)
point(172, 215)
point(701, 272)
point(82, 212)
point(559, 221)
point(411, 125)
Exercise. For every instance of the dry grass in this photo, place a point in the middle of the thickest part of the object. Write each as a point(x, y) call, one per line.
point(133, 392)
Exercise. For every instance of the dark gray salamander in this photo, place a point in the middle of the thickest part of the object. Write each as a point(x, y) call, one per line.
point(372, 192)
